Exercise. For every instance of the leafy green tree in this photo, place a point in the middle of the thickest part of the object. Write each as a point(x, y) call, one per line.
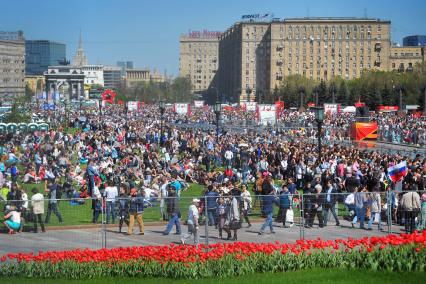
point(21, 110)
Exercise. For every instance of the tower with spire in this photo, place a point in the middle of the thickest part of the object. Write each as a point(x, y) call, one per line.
point(80, 58)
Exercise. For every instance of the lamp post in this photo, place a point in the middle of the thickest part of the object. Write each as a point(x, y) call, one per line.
point(302, 94)
point(217, 93)
point(162, 109)
point(217, 109)
point(319, 116)
point(100, 107)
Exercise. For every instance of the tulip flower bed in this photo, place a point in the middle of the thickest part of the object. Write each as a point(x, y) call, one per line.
point(406, 252)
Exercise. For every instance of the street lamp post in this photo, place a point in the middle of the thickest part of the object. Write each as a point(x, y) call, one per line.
point(162, 109)
point(217, 93)
point(319, 116)
point(217, 109)
point(100, 107)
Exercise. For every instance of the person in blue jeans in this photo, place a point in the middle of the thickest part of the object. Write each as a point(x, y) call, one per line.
point(360, 209)
point(173, 210)
point(268, 202)
point(376, 209)
point(212, 197)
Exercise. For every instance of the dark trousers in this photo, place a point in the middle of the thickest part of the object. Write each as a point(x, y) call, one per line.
point(315, 212)
point(410, 221)
point(53, 207)
point(124, 218)
point(283, 215)
point(38, 218)
point(330, 207)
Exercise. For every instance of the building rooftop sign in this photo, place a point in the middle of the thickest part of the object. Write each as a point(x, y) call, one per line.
point(204, 34)
point(253, 17)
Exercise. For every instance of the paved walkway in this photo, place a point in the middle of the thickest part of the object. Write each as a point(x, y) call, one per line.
point(92, 238)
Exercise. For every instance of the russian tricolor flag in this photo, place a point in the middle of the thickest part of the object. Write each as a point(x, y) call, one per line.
point(397, 172)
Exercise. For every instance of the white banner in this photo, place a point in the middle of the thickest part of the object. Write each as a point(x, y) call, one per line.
point(249, 106)
point(331, 108)
point(198, 104)
point(133, 105)
point(266, 114)
point(181, 108)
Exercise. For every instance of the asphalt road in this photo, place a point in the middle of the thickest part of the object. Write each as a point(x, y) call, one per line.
point(92, 238)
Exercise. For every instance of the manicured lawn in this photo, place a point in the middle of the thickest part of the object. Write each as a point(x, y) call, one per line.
point(316, 276)
point(82, 214)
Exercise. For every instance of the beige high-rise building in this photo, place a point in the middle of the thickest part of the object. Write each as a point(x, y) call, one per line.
point(256, 56)
point(12, 65)
point(405, 58)
point(244, 60)
point(198, 58)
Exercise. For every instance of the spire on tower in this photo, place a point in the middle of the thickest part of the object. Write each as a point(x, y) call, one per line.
point(80, 42)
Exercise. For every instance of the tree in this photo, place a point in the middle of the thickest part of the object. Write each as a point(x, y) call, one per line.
point(181, 90)
point(342, 93)
point(21, 110)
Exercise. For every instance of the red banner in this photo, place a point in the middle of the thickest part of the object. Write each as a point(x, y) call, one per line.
point(388, 108)
point(364, 131)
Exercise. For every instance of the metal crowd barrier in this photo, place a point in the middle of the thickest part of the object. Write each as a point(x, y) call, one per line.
point(304, 221)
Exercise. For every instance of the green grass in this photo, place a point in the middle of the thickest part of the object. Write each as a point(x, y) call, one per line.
point(316, 276)
point(82, 214)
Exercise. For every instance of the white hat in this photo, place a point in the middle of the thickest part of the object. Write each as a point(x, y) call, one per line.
point(195, 200)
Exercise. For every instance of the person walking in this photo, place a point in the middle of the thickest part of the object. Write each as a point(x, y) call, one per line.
point(135, 211)
point(52, 205)
point(110, 194)
point(330, 203)
point(123, 205)
point(193, 225)
point(267, 209)
point(211, 196)
point(37, 203)
point(285, 204)
point(173, 211)
point(376, 209)
point(410, 204)
point(246, 203)
point(317, 200)
point(233, 215)
point(360, 209)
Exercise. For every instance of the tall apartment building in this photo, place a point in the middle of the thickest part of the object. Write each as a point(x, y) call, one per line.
point(261, 54)
point(244, 60)
point(199, 58)
point(12, 64)
point(403, 59)
point(39, 54)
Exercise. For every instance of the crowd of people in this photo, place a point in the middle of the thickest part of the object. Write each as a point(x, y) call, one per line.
point(123, 162)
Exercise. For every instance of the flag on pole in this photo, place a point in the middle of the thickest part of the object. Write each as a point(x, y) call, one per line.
point(398, 172)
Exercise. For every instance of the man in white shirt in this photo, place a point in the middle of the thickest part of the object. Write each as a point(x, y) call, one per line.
point(193, 226)
point(228, 157)
point(37, 203)
point(111, 193)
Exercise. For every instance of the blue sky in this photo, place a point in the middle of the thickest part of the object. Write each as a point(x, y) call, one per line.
point(147, 32)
